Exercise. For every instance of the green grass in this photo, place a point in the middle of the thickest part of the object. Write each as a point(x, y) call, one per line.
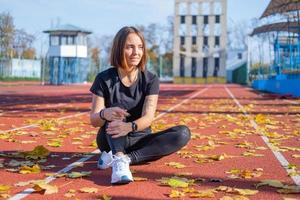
point(8, 79)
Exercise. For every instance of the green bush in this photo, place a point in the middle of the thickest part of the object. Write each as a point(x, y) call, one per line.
point(18, 79)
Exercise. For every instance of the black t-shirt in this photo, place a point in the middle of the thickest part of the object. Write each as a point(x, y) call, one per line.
point(108, 85)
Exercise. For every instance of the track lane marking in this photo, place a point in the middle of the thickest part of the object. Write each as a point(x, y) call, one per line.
point(75, 164)
point(283, 161)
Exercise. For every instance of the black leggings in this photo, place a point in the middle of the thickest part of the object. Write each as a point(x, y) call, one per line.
point(145, 146)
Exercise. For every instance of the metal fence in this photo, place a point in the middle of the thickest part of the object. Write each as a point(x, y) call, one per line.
point(20, 68)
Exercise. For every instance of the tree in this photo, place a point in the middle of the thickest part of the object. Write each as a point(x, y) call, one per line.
point(106, 45)
point(23, 44)
point(95, 56)
point(14, 42)
point(29, 53)
point(7, 30)
point(238, 33)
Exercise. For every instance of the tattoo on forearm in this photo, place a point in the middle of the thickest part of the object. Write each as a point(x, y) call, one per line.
point(150, 105)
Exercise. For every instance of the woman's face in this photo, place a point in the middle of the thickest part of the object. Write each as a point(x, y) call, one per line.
point(133, 50)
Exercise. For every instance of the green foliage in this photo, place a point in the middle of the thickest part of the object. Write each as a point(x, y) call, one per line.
point(8, 79)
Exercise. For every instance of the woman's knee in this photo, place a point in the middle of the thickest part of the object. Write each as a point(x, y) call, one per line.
point(183, 135)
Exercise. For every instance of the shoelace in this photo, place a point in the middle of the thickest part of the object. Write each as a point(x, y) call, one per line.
point(120, 162)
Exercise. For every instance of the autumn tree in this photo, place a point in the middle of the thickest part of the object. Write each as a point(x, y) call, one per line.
point(23, 45)
point(7, 31)
point(14, 42)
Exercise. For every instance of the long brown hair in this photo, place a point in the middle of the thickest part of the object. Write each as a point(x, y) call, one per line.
point(117, 57)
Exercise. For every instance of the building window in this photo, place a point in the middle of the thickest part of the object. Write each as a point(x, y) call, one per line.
point(182, 40)
point(182, 8)
point(205, 67)
point(63, 40)
point(205, 41)
point(217, 41)
point(194, 40)
point(71, 40)
point(194, 19)
point(54, 40)
point(240, 55)
point(194, 67)
point(181, 65)
point(194, 8)
point(182, 19)
point(217, 66)
point(205, 21)
point(217, 19)
point(206, 8)
point(182, 29)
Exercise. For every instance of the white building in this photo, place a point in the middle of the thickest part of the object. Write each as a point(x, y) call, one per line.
point(200, 34)
point(67, 54)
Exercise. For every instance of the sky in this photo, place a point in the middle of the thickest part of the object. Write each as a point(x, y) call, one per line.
point(106, 17)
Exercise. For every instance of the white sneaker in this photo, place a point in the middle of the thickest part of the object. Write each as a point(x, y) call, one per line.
point(121, 173)
point(105, 160)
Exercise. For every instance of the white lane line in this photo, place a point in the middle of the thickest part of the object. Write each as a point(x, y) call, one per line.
point(283, 161)
point(179, 104)
point(36, 125)
point(28, 191)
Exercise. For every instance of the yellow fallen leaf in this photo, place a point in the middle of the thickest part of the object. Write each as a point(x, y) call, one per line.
point(69, 194)
point(176, 194)
point(234, 198)
point(48, 124)
point(27, 141)
point(217, 157)
point(226, 198)
point(295, 190)
point(205, 193)
point(94, 144)
point(136, 178)
point(272, 183)
point(79, 174)
point(261, 119)
point(29, 170)
point(189, 190)
point(177, 182)
point(176, 165)
point(247, 153)
point(246, 191)
point(287, 198)
point(45, 188)
point(240, 198)
point(39, 152)
point(54, 143)
point(184, 174)
point(4, 188)
point(105, 197)
point(88, 190)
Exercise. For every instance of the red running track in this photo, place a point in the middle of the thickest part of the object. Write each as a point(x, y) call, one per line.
point(228, 123)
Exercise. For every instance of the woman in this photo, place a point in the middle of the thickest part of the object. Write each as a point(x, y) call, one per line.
point(123, 106)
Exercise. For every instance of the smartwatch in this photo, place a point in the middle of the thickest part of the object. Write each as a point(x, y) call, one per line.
point(134, 126)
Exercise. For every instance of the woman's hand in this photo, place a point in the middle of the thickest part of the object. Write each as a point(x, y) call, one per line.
point(115, 113)
point(118, 128)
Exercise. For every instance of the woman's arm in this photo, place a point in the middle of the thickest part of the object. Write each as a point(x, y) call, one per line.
point(120, 128)
point(110, 114)
point(97, 106)
point(148, 113)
